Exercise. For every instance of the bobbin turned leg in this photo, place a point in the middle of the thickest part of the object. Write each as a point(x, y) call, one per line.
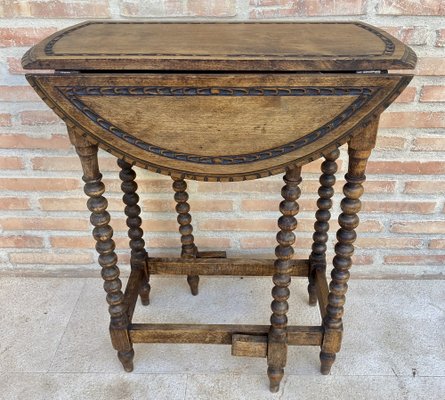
point(102, 233)
point(359, 150)
point(326, 191)
point(139, 256)
point(277, 338)
point(189, 249)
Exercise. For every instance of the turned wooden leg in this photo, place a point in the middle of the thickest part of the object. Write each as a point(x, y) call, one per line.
point(277, 338)
point(359, 150)
point(139, 256)
point(326, 191)
point(102, 233)
point(189, 249)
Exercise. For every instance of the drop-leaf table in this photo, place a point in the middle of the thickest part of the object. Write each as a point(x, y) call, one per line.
point(224, 102)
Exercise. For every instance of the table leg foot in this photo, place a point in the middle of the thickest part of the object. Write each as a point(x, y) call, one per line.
point(193, 281)
point(312, 295)
point(275, 376)
point(126, 358)
point(144, 292)
point(327, 360)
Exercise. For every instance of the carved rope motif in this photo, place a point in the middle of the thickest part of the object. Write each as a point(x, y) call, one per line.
point(49, 48)
point(72, 92)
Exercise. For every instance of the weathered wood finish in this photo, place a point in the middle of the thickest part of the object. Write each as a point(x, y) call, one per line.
point(189, 249)
point(218, 334)
point(359, 150)
point(277, 342)
point(321, 226)
point(102, 233)
point(240, 46)
point(168, 123)
point(139, 255)
point(224, 102)
point(222, 266)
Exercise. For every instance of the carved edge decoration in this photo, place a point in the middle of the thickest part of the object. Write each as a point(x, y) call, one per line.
point(364, 95)
point(49, 47)
point(404, 80)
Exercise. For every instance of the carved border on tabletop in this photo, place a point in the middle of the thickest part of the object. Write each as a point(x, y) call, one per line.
point(49, 48)
point(72, 93)
point(219, 177)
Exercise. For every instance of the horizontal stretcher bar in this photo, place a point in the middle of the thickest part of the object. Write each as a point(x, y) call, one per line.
point(222, 266)
point(217, 334)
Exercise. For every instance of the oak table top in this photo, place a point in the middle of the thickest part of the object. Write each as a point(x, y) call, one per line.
point(224, 102)
point(273, 46)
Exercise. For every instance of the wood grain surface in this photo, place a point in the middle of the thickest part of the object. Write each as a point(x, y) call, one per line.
point(270, 46)
point(221, 127)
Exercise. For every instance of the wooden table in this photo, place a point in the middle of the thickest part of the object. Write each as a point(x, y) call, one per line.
point(224, 102)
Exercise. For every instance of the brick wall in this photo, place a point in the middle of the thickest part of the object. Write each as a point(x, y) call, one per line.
point(43, 223)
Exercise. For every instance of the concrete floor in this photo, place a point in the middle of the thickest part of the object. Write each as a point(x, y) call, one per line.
point(54, 342)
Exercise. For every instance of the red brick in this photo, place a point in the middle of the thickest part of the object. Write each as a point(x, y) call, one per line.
point(156, 225)
point(17, 37)
point(5, 120)
point(13, 203)
point(427, 187)
point(430, 66)
point(262, 186)
point(418, 227)
point(429, 144)
point(411, 7)
point(11, 163)
point(19, 141)
point(51, 258)
point(69, 163)
point(407, 96)
point(424, 259)
point(177, 8)
point(218, 8)
point(75, 204)
point(440, 38)
point(361, 259)
point(399, 207)
point(21, 241)
point(406, 167)
point(377, 242)
point(139, 9)
point(283, 8)
point(411, 35)
point(390, 143)
point(18, 94)
point(43, 117)
point(409, 119)
point(437, 244)
point(43, 223)
point(171, 7)
point(433, 93)
point(39, 184)
point(15, 66)
point(380, 186)
point(55, 9)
